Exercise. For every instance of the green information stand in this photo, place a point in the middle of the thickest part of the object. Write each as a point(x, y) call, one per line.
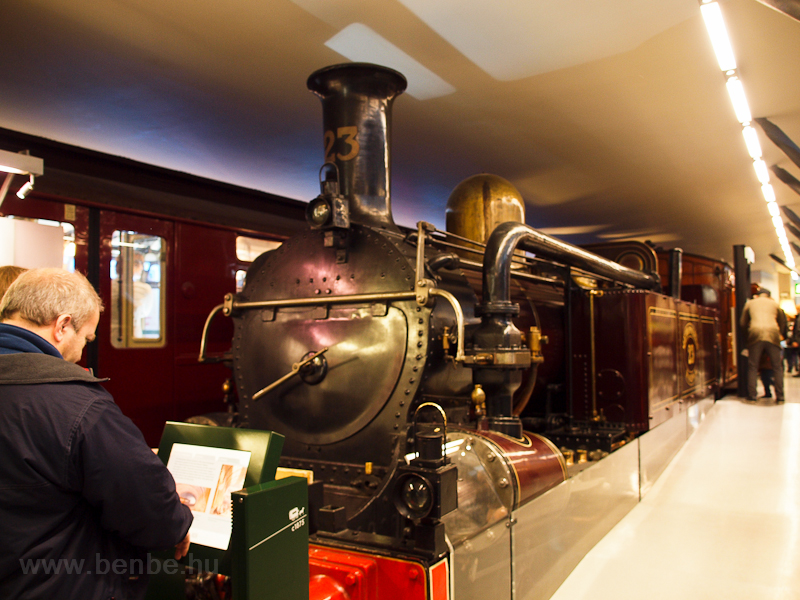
point(268, 553)
point(270, 541)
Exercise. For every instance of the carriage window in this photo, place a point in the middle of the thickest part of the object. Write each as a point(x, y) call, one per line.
point(248, 249)
point(138, 298)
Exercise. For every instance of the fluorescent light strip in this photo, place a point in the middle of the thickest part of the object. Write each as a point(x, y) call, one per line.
point(751, 139)
point(739, 100)
point(712, 15)
point(762, 172)
point(769, 192)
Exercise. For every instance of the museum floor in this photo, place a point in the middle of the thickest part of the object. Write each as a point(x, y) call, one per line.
point(722, 521)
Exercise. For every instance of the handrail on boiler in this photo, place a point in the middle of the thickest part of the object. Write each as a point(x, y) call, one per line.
point(230, 306)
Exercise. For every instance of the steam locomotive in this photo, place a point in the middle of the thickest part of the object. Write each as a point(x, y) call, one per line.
point(438, 382)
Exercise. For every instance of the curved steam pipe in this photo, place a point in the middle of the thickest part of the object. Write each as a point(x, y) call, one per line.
point(508, 236)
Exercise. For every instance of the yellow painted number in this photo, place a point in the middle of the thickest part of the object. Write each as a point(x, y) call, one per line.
point(348, 137)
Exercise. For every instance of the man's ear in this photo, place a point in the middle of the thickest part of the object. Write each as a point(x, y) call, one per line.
point(60, 325)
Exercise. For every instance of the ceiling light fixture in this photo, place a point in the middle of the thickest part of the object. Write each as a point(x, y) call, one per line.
point(25, 189)
point(773, 209)
point(712, 15)
point(751, 139)
point(739, 100)
point(762, 172)
point(20, 163)
point(769, 192)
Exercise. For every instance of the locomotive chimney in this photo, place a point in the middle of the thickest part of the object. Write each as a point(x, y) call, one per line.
point(356, 103)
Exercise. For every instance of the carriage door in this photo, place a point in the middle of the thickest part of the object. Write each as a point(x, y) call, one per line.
point(135, 342)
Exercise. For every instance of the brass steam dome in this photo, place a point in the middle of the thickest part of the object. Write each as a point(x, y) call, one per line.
point(480, 203)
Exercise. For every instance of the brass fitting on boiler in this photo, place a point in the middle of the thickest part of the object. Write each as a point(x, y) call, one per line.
point(479, 399)
point(535, 341)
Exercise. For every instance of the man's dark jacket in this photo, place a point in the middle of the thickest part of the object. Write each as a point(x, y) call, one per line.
point(79, 488)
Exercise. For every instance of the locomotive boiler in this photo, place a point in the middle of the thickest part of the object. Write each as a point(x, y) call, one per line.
point(436, 381)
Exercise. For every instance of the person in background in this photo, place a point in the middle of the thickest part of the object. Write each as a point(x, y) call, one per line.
point(136, 293)
point(81, 490)
point(142, 297)
point(790, 351)
point(7, 276)
point(765, 324)
point(793, 345)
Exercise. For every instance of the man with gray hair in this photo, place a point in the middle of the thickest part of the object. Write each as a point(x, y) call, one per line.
point(81, 491)
point(765, 323)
